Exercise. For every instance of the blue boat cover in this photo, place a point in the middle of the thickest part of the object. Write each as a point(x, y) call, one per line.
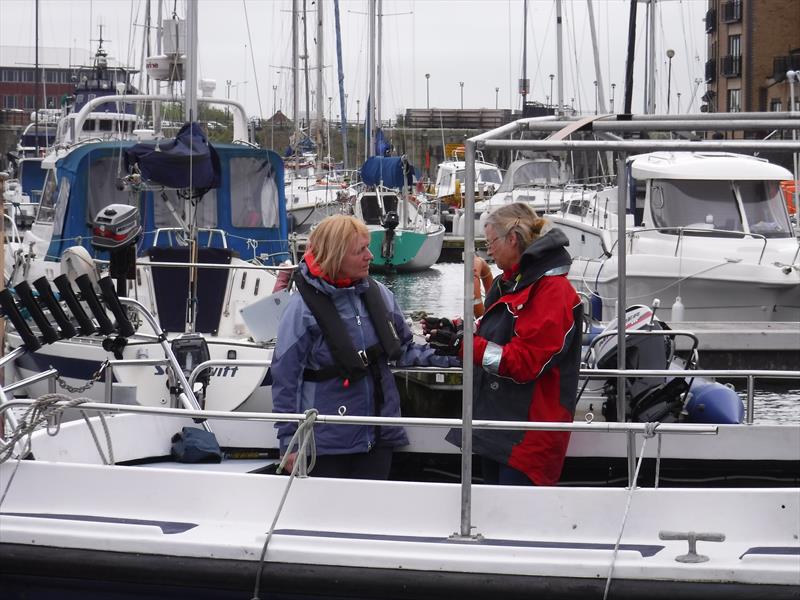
point(188, 161)
point(387, 170)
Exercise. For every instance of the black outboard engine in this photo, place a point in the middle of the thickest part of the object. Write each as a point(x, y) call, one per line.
point(116, 229)
point(647, 398)
point(389, 222)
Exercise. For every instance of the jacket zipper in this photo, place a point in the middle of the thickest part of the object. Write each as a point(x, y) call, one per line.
point(366, 383)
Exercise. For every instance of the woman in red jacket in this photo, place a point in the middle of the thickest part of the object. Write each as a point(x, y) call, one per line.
point(527, 350)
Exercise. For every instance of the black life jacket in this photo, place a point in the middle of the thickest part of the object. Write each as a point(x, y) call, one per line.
point(351, 365)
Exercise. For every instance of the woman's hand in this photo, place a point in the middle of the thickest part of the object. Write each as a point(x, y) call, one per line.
point(290, 459)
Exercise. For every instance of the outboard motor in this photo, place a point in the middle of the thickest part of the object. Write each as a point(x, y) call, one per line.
point(116, 229)
point(647, 398)
point(663, 399)
point(389, 222)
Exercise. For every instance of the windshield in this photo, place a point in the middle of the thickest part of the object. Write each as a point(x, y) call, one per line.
point(712, 205)
point(764, 208)
point(482, 175)
point(489, 176)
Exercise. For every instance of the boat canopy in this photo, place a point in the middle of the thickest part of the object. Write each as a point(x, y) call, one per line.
point(391, 171)
point(248, 206)
point(187, 161)
point(530, 172)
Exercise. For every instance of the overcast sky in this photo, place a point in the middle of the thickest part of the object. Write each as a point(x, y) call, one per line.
point(477, 42)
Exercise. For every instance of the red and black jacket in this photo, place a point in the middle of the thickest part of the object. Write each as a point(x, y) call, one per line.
point(527, 350)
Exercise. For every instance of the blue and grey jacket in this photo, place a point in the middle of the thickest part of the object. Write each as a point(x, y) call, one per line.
point(301, 346)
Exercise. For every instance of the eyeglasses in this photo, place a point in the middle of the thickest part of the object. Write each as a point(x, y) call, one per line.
point(487, 245)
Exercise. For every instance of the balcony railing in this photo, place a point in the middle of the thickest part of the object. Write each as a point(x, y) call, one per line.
point(731, 66)
point(732, 11)
point(781, 64)
point(711, 70)
point(711, 20)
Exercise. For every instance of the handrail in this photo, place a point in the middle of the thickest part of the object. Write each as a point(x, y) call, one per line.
point(168, 231)
point(597, 426)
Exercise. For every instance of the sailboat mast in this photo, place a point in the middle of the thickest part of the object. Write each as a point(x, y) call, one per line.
point(342, 99)
point(379, 66)
point(38, 78)
point(370, 117)
point(629, 60)
point(523, 88)
point(295, 66)
point(560, 57)
point(190, 102)
point(651, 58)
point(320, 91)
point(598, 73)
point(305, 67)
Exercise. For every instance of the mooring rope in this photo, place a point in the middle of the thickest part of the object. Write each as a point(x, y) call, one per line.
point(47, 412)
point(305, 432)
point(649, 431)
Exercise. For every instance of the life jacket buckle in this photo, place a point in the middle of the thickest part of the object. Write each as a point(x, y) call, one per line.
point(364, 358)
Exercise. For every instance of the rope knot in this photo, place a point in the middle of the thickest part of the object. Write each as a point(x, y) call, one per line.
point(650, 429)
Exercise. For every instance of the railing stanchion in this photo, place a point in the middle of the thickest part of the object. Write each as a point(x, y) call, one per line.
point(109, 383)
point(750, 399)
point(631, 436)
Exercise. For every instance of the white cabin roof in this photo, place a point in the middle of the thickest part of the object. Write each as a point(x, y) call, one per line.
point(705, 165)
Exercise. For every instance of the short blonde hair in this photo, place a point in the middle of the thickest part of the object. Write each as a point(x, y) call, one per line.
point(519, 219)
point(330, 241)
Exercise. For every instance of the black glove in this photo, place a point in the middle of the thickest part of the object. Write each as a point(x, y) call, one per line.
point(432, 324)
point(446, 343)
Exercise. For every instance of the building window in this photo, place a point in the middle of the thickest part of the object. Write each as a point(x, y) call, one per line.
point(27, 76)
point(9, 102)
point(734, 101)
point(775, 105)
point(30, 102)
point(732, 11)
point(735, 45)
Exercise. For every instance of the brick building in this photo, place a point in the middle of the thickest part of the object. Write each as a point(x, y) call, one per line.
point(57, 72)
point(751, 46)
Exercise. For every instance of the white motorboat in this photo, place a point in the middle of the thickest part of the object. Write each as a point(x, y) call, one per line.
point(545, 184)
point(709, 230)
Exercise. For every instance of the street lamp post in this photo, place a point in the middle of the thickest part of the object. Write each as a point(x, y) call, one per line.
point(550, 97)
point(428, 91)
point(679, 102)
point(596, 98)
point(461, 84)
point(274, 111)
point(227, 106)
point(496, 97)
point(670, 54)
point(613, 86)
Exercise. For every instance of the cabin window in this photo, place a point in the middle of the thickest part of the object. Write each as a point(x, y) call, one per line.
point(694, 204)
point(489, 176)
point(88, 125)
point(60, 213)
point(47, 202)
point(254, 193)
point(102, 179)
point(764, 209)
point(206, 211)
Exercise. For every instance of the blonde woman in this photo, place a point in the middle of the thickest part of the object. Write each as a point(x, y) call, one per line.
point(336, 339)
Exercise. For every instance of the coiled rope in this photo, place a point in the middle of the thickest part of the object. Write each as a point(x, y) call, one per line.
point(47, 411)
point(304, 436)
point(649, 431)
